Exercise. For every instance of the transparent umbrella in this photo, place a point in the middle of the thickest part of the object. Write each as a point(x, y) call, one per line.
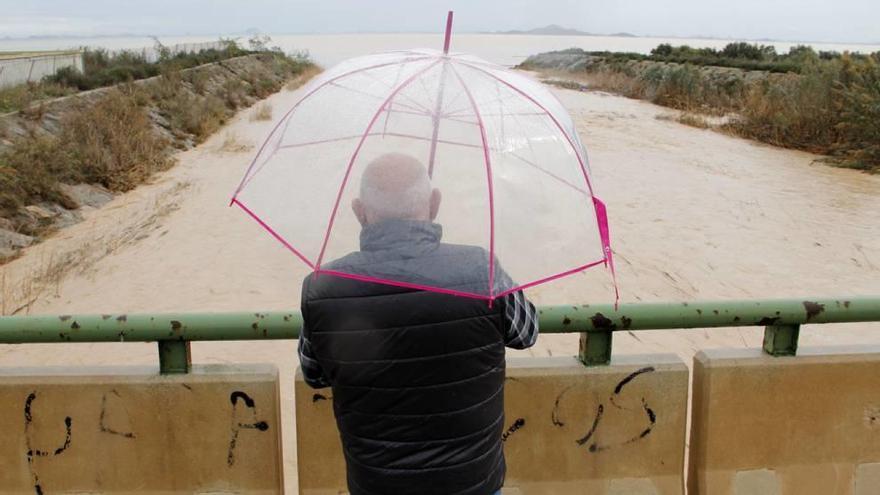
point(498, 146)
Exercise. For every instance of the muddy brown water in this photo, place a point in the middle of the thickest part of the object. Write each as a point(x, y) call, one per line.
point(695, 215)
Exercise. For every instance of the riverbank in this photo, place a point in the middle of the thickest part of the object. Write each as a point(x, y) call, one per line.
point(62, 156)
point(504, 49)
point(822, 102)
point(694, 215)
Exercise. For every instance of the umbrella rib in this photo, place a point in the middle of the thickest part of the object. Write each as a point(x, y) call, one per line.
point(552, 277)
point(441, 141)
point(435, 118)
point(413, 107)
point(487, 101)
point(544, 109)
point(405, 110)
point(488, 180)
point(500, 110)
point(452, 102)
point(357, 151)
point(458, 57)
point(245, 179)
point(384, 133)
point(461, 121)
point(413, 101)
point(388, 113)
point(319, 141)
point(549, 173)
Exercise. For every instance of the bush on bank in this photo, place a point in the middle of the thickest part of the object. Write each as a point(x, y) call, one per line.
point(102, 68)
point(823, 102)
point(128, 133)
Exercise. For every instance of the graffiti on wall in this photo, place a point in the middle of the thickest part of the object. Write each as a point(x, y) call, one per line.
point(112, 419)
point(590, 430)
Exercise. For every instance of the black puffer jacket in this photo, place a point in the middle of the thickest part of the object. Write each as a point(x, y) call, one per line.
point(417, 377)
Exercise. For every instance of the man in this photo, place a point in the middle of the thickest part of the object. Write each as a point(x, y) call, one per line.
point(417, 376)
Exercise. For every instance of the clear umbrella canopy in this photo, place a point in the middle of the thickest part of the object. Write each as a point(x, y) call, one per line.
point(516, 205)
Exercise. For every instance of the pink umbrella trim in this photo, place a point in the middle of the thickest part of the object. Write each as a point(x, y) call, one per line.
point(552, 277)
point(272, 231)
point(407, 285)
point(488, 182)
point(605, 236)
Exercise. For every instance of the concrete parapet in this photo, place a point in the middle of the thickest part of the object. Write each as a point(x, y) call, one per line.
point(614, 430)
point(131, 430)
point(800, 425)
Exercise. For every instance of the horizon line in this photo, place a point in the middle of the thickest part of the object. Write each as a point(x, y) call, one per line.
point(618, 34)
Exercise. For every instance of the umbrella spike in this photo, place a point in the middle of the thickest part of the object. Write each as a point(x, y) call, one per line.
point(448, 33)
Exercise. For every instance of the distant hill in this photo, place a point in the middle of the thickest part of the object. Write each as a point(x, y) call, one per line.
point(557, 30)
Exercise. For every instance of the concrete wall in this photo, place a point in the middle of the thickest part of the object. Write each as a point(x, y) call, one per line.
point(795, 425)
point(618, 429)
point(805, 425)
point(130, 430)
point(21, 70)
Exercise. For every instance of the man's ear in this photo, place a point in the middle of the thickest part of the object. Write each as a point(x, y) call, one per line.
point(435, 203)
point(357, 206)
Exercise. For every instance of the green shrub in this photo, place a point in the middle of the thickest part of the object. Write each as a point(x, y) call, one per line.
point(112, 143)
point(30, 169)
point(18, 97)
point(101, 68)
point(823, 102)
point(859, 124)
point(748, 51)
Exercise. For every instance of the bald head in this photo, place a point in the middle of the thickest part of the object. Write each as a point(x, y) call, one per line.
point(395, 186)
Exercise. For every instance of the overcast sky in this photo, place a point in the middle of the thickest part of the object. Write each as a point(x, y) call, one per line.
point(807, 20)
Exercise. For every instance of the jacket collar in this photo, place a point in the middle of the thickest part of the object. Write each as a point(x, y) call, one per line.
point(400, 234)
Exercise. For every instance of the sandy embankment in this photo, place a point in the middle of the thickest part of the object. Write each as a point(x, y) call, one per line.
point(695, 215)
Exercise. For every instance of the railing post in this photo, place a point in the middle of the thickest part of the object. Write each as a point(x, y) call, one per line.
point(174, 356)
point(595, 348)
point(781, 340)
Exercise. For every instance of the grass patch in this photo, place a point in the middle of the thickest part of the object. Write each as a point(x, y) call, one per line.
point(263, 111)
point(22, 96)
point(195, 115)
point(693, 120)
point(111, 142)
point(688, 119)
point(304, 76)
point(233, 144)
point(30, 170)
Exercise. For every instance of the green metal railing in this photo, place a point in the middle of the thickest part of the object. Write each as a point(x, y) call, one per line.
point(596, 324)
